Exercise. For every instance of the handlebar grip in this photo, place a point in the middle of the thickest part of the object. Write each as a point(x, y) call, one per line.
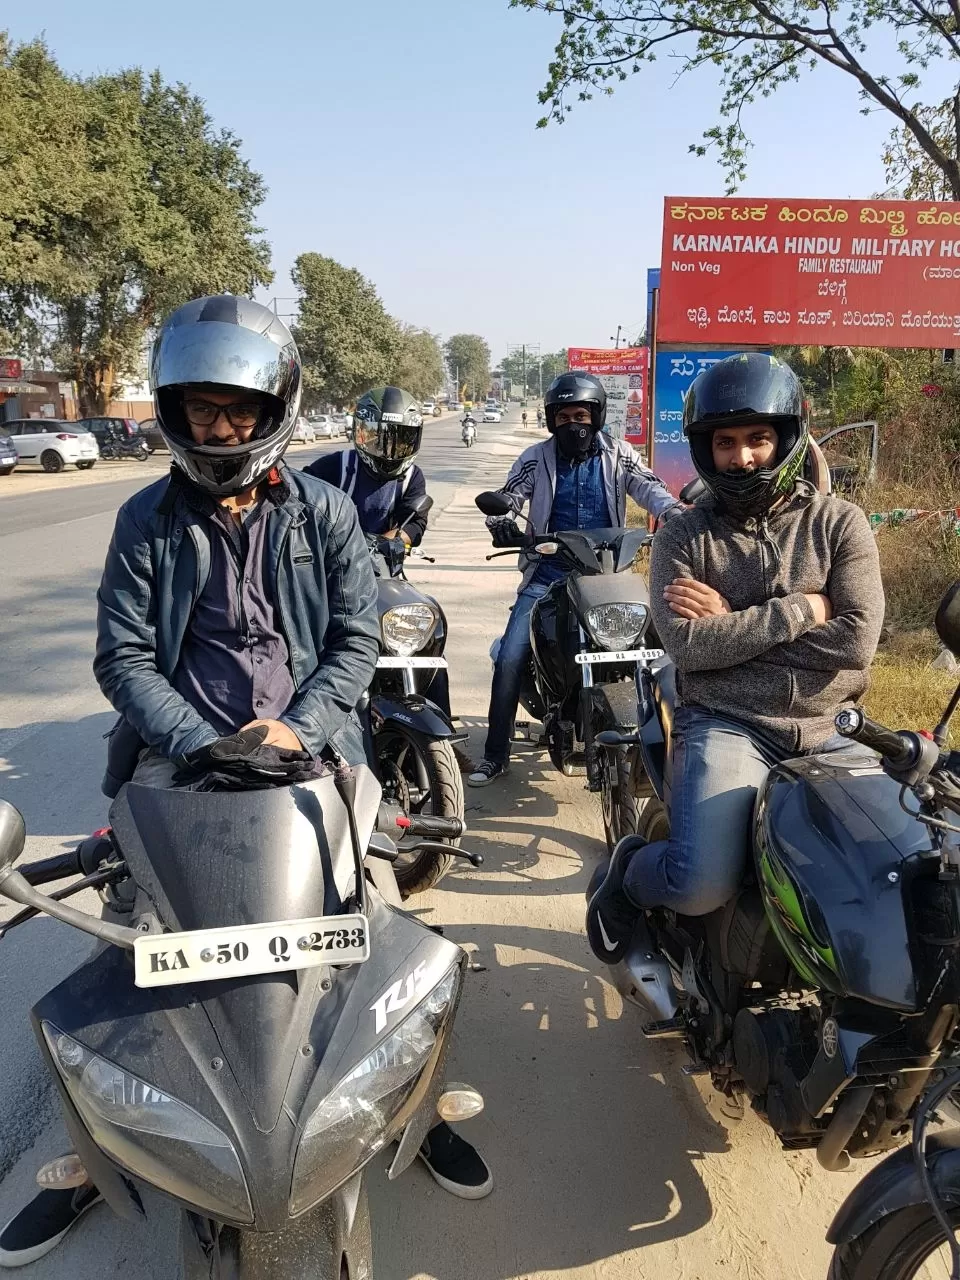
point(426, 824)
point(50, 869)
point(898, 749)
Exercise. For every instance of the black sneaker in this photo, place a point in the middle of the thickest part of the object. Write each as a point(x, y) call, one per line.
point(458, 1167)
point(611, 916)
point(39, 1228)
point(487, 771)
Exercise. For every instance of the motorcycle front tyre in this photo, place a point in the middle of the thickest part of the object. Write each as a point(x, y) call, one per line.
point(898, 1247)
point(442, 772)
point(316, 1246)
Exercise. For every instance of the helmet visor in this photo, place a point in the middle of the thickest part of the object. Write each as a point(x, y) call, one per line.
point(224, 355)
point(391, 441)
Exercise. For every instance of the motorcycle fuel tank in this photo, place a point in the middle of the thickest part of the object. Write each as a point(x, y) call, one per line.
point(835, 854)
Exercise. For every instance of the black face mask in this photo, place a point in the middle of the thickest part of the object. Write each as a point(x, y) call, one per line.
point(574, 440)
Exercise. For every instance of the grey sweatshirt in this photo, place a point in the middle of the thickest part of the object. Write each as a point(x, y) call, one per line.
point(767, 663)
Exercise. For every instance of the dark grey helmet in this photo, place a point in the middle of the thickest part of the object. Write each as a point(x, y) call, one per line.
point(387, 431)
point(232, 343)
point(576, 388)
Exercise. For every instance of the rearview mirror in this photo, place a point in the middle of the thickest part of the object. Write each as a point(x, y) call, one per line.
point(422, 504)
point(948, 619)
point(492, 503)
point(692, 490)
point(13, 834)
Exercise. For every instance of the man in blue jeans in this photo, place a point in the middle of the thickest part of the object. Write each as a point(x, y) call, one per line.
point(767, 596)
point(579, 478)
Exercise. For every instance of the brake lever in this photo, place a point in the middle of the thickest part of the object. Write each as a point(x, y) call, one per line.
point(436, 846)
point(511, 551)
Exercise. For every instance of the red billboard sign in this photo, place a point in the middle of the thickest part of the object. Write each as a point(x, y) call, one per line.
point(623, 373)
point(863, 273)
point(11, 368)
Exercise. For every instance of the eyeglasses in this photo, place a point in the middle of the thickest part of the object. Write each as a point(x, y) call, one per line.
point(200, 413)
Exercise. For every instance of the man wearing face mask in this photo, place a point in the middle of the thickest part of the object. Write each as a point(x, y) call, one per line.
point(578, 478)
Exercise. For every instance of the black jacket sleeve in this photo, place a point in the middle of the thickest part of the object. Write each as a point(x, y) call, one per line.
point(405, 516)
point(327, 467)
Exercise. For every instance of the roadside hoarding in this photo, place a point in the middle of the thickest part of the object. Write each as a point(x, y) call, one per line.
point(624, 377)
point(674, 372)
point(864, 273)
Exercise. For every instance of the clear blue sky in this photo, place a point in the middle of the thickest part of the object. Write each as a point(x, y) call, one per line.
point(398, 136)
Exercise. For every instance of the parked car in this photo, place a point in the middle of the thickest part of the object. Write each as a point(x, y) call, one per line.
point(325, 427)
point(152, 437)
point(52, 443)
point(427, 408)
point(491, 413)
point(8, 454)
point(304, 431)
point(117, 437)
point(455, 406)
point(340, 421)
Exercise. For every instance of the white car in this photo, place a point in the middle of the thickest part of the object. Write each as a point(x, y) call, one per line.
point(325, 427)
point(52, 443)
point(427, 408)
point(304, 432)
point(492, 413)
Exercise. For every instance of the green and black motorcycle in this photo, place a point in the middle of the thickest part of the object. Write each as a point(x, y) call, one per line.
point(826, 995)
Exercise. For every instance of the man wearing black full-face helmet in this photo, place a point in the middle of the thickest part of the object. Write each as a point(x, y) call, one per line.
point(579, 478)
point(767, 596)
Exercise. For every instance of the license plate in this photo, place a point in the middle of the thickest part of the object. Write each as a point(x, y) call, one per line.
point(388, 663)
point(622, 655)
point(7, 462)
point(208, 955)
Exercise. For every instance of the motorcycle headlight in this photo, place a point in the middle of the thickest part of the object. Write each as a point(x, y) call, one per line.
point(616, 626)
point(159, 1139)
point(407, 628)
point(360, 1115)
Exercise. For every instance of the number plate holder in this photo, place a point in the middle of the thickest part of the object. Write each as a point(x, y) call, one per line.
point(621, 655)
point(209, 955)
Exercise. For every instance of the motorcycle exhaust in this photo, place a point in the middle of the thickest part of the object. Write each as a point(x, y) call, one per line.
point(849, 1111)
point(644, 977)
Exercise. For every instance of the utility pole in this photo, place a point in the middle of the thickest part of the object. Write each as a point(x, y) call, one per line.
point(523, 350)
point(616, 340)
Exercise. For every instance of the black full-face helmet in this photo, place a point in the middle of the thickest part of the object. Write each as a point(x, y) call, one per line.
point(226, 343)
point(576, 388)
point(741, 391)
point(388, 429)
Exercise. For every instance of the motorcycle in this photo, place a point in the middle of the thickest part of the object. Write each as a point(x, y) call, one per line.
point(469, 434)
point(261, 1019)
point(412, 738)
point(114, 446)
point(587, 634)
point(826, 994)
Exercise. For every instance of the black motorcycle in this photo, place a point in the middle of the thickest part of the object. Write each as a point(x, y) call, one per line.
point(262, 1019)
point(826, 994)
point(587, 634)
point(115, 445)
point(412, 737)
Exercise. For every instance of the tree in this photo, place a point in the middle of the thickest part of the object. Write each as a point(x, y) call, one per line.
point(420, 364)
point(121, 202)
point(468, 359)
point(542, 369)
point(347, 340)
point(909, 170)
point(759, 45)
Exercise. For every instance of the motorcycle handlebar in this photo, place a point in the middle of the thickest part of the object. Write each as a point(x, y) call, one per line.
point(425, 824)
point(50, 869)
point(898, 750)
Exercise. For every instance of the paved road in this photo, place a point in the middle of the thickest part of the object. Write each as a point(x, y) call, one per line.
point(609, 1164)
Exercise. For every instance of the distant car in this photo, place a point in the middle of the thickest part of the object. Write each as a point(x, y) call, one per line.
point(340, 421)
point(304, 431)
point(152, 437)
point(492, 413)
point(455, 406)
point(325, 427)
point(8, 454)
point(52, 443)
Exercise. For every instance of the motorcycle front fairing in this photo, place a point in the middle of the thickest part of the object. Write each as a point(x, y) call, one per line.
point(252, 1056)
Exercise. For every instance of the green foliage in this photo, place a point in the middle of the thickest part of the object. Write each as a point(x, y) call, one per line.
point(756, 46)
point(910, 172)
point(420, 365)
point(118, 201)
point(544, 370)
point(468, 359)
point(347, 340)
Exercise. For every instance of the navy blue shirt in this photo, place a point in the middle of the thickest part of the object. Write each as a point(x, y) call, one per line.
point(382, 505)
point(579, 502)
point(234, 665)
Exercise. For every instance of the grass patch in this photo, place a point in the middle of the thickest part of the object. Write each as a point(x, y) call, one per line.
point(905, 691)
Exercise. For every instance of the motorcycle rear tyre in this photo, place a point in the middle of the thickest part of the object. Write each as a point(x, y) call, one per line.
point(446, 801)
point(895, 1248)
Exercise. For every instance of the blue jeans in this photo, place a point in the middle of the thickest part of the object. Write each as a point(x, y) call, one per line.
point(511, 663)
point(718, 768)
